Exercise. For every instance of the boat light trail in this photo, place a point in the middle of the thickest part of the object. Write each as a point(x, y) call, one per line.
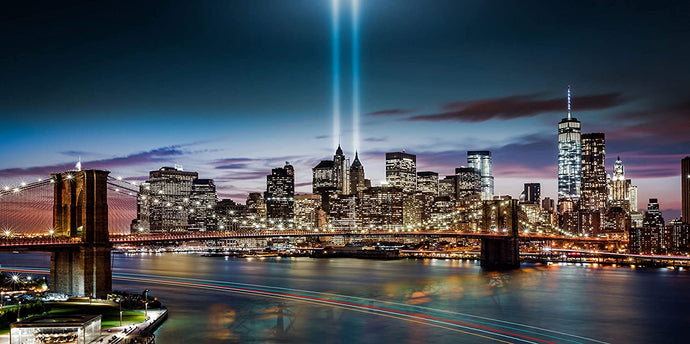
point(414, 313)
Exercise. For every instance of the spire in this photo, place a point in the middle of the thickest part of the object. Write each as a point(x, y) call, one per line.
point(356, 162)
point(339, 151)
point(569, 110)
point(78, 165)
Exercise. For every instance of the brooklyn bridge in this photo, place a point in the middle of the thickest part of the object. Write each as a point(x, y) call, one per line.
point(80, 242)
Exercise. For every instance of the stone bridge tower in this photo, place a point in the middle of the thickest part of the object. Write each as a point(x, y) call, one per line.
point(80, 210)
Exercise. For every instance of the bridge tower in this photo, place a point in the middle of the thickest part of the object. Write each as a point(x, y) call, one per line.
point(80, 210)
point(504, 252)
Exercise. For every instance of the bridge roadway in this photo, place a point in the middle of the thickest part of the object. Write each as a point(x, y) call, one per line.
point(39, 243)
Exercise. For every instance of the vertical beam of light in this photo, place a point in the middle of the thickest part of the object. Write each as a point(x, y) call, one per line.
point(335, 51)
point(355, 74)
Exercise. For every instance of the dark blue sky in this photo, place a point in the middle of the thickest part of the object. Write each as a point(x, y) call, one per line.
point(233, 89)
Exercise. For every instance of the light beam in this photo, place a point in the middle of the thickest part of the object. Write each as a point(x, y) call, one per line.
point(355, 74)
point(335, 51)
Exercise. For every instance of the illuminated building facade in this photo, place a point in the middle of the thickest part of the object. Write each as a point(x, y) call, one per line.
point(427, 182)
point(619, 186)
point(531, 194)
point(467, 182)
point(308, 213)
point(358, 182)
point(401, 171)
point(593, 195)
point(569, 156)
point(685, 189)
point(165, 201)
point(481, 161)
point(202, 206)
point(279, 195)
point(381, 207)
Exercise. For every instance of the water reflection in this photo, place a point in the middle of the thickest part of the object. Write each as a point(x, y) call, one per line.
point(605, 303)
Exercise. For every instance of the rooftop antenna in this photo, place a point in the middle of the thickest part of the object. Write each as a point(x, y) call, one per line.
point(569, 112)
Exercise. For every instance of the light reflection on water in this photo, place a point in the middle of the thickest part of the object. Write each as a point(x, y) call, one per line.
point(614, 304)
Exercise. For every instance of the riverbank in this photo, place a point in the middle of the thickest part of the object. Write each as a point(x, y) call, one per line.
point(134, 324)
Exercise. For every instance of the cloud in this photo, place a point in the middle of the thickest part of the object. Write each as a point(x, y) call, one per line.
point(389, 112)
point(375, 139)
point(322, 137)
point(517, 106)
point(662, 125)
point(158, 155)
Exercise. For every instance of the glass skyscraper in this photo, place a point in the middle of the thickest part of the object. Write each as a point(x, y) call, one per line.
point(481, 161)
point(569, 156)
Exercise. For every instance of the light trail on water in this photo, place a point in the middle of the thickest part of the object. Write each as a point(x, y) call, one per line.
point(419, 314)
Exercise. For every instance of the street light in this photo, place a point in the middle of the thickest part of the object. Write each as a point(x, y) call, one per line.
point(146, 304)
point(120, 311)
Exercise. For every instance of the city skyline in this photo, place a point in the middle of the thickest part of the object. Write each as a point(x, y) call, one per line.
point(213, 116)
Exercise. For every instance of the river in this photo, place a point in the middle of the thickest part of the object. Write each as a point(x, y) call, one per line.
point(303, 300)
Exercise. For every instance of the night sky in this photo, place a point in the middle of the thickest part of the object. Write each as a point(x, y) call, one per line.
point(232, 89)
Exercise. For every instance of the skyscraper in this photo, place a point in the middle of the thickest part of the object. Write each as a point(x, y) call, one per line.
point(468, 182)
point(202, 202)
point(685, 189)
point(357, 179)
point(481, 161)
point(531, 194)
point(569, 153)
point(593, 175)
point(280, 192)
point(341, 170)
point(619, 186)
point(427, 182)
point(401, 171)
point(175, 200)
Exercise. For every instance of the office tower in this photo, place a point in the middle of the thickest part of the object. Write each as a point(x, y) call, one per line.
point(332, 175)
point(680, 237)
point(323, 177)
point(202, 204)
point(468, 182)
point(279, 195)
point(342, 212)
point(547, 204)
point(401, 171)
point(593, 172)
point(653, 237)
point(164, 200)
point(632, 196)
point(619, 186)
point(357, 180)
point(308, 213)
point(341, 171)
point(447, 187)
point(427, 182)
point(569, 156)
point(230, 215)
point(531, 194)
point(481, 161)
point(381, 208)
point(653, 215)
point(256, 206)
point(685, 189)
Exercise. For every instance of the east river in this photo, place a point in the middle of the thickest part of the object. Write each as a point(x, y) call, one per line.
point(303, 300)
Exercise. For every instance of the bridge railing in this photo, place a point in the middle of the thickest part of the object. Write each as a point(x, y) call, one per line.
point(38, 241)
